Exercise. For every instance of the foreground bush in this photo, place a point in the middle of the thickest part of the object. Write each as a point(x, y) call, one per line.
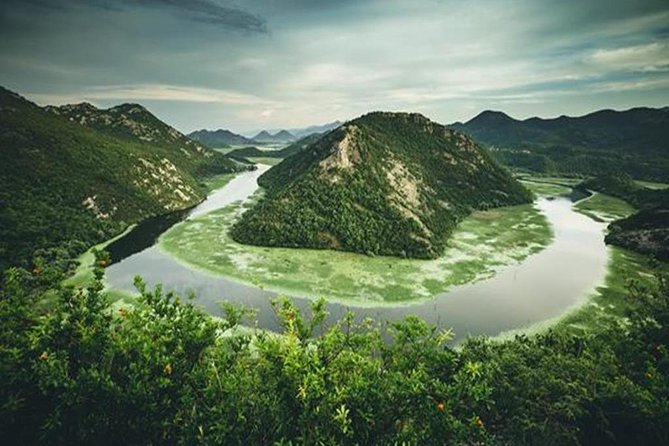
point(164, 373)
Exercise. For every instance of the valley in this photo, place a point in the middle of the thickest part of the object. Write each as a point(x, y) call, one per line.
point(496, 259)
point(324, 223)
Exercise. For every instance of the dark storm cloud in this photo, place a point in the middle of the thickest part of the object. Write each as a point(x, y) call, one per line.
point(205, 11)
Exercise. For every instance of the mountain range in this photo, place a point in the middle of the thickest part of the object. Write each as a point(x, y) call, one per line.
point(223, 138)
point(264, 137)
point(385, 183)
point(633, 141)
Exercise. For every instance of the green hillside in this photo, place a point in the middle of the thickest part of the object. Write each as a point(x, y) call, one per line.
point(218, 138)
point(385, 183)
point(64, 185)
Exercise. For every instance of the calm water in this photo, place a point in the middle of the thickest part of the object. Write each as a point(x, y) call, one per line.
point(543, 286)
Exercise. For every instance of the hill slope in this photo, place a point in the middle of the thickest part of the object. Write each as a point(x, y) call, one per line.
point(602, 142)
point(219, 138)
point(66, 185)
point(385, 183)
point(136, 124)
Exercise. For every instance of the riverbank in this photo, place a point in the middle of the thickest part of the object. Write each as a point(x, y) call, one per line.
point(252, 275)
point(483, 242)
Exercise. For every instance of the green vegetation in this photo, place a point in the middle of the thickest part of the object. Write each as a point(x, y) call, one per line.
point(83, 275)
point(609, 303)
point(219, 138)
point(65, 186)
point(482, 242)
point(603, 142)
point(383, 184)
point(264, 160)
point(652, 184)
point(647, 231)
point(218, 181)
point(604, 208)
point(545, 189)
point(161, 372)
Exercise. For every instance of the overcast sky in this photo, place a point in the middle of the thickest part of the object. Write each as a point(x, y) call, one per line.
point(289, 63)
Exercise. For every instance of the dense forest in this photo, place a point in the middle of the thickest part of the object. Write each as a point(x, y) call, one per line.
point(385, 183)
point(603, 142)
point(162, 372)
point(73, 176)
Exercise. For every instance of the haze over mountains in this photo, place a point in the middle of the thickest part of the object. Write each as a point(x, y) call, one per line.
point(384, 183)
point(222, 138)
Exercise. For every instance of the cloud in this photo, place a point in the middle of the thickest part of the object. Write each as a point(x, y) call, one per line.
point(337, 59)
point(650, 57)
point(203, 11)
point(152, 92)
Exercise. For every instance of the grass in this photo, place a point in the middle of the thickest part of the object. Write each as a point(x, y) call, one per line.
point(83, 275)
point(610, 301)
point(218, 181)
point(482, 243)
point(545, 189)
point(265, 160)
point(652, 184)
point(604, 208)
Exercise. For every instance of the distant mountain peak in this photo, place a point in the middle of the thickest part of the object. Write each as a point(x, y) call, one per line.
point(491, 117)
point(262, 134)
point(129, 108)
point(219, 137)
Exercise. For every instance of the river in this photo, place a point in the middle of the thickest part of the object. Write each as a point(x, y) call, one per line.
point(543, 286)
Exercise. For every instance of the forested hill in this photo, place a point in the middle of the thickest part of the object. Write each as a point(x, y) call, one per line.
point(219, 138)
point(598, 143)
point(135, 123)
point(385, 183)
point(66, 185)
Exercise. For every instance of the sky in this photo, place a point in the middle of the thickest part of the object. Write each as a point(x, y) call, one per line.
point(256, 64)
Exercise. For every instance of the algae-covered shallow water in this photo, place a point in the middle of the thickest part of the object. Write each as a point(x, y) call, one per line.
point(544, 284)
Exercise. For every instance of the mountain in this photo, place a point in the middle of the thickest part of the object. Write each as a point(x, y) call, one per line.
point(323, 128)
point(135, 123)
point(264, 137)
point(72, 176)
point(131, 121)
point(219, 138)
point(385, 183)
point(598, 143)
point(284, 136)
